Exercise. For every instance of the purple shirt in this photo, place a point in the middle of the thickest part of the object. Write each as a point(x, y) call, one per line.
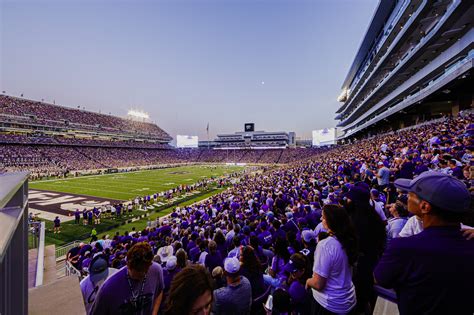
point(115, 294)
point(431, 272)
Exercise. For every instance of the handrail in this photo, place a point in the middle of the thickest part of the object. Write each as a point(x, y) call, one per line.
point(71, 270)
point(40, 260)
point(62, 251)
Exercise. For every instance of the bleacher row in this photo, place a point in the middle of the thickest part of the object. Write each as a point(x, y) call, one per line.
point(56, 160)
point(35, 114)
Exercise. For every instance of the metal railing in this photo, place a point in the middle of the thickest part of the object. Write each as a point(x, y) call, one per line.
point(14, 243)
point(33, 234)
point(73, 271)
point(62, 251)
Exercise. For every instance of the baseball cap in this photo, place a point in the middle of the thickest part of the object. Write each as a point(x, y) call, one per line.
point(165, 253)
point(358, 193)
point(231, 265)
point(443, 191)
point(98, 269)
point(171, 263)
point(294, 265)
point(308, 235)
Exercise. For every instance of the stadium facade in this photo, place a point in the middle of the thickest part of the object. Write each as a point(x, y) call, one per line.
point(414, 64)
point(249, 138)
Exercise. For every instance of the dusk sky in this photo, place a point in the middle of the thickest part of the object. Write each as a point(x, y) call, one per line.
point(279, 64)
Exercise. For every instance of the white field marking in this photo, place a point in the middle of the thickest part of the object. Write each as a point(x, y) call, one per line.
point(50, 216)
point(168, 184)
point(141, 189)
point(103, 184)
point(106, 190)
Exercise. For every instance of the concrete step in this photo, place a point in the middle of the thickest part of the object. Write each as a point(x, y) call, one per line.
point(32, 261)
point(62, 296)
point(49, 274)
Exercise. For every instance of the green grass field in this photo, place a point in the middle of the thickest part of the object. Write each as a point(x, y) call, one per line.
point(125, 186)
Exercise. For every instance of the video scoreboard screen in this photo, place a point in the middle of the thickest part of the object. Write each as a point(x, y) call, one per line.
point(249, 127)
point(186, 141)
point(322, 137)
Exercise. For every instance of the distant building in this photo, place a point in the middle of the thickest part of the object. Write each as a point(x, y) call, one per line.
point(252, 139)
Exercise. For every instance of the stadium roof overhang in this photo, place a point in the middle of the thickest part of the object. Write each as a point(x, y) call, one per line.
point(453, 29)
point(381, 14)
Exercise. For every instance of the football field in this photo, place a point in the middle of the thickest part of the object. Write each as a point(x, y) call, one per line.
point(126, 186)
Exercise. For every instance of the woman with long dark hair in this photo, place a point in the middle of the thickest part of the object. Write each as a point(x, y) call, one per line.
point(276, 273)
point(252, 270)
point(331, 283)
point(190, 292)
point(371, 237)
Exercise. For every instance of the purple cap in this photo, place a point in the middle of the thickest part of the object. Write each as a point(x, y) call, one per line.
point(293, 266)
point(443, 191)
point(358, 193)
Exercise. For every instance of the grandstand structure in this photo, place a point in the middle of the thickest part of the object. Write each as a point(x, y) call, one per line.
point(414, 64)
point(52, 140)
point(252, 139)
point(32, 118)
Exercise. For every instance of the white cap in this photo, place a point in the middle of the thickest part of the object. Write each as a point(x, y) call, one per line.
point(231, 265)
point(171, 263)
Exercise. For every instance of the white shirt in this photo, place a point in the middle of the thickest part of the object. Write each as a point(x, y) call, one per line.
point(331, 262)
point(412, 227)
point(87, 288)
point(202, 258)
point(378, 205)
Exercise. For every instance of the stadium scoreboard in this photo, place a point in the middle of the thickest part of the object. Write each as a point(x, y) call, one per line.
point(186, 141)
point(322, 137)
point(249, 127)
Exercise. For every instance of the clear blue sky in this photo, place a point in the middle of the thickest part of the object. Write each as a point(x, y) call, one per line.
point(187, 63)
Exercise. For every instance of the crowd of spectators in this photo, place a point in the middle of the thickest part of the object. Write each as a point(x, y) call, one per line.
point(65, 158)
point(311, 234)
point(38, 113)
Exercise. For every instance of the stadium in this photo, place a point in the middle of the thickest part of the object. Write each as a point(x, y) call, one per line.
point(363, 206)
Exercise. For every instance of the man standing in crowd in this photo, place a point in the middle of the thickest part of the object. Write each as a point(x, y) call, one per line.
point(383, 176)
point(236, 297)
point(90, 285)
point(135, 289)
point(432, 271)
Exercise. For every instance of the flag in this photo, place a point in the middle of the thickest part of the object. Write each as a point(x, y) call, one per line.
point(207, 128)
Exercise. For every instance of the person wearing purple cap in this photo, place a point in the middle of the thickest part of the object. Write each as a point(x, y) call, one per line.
point(296, 281)
point(432, 271)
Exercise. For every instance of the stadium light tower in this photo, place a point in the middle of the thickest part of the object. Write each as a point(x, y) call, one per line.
point(138, 115)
